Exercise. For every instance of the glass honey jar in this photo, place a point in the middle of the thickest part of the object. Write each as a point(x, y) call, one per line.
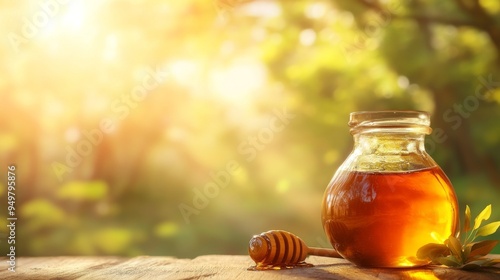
point(389, 197)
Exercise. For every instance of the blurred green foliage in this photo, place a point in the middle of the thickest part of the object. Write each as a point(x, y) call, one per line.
point(231, 65)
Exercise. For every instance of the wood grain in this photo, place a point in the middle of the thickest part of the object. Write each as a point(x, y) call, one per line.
point(216, 267)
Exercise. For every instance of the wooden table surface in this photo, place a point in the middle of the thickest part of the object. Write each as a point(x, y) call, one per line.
point(216, 267)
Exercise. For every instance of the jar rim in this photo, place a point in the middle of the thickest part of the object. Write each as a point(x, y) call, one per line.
point(417, 120)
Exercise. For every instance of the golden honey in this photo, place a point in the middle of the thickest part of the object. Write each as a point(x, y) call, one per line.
point(382, 219)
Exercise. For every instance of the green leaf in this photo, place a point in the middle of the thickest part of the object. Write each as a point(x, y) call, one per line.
point(484, 215)
point(467, 256)
point(467, 218)
point(488, 229)
point(432, 251)
point(477, 264)
point(482, 248)
point(455, 247)
point(467, 249)
point(482, 262)
point(83, 190)
point(448, 261)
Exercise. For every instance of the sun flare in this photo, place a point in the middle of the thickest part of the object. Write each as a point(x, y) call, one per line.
point(239, 83)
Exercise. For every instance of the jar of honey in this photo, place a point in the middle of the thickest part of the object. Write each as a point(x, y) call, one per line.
point(389, 197)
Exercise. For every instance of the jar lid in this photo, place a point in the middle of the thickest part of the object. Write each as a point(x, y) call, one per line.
point(407, 121)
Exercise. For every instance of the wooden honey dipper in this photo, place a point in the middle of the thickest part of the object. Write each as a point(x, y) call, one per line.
point(279, 248)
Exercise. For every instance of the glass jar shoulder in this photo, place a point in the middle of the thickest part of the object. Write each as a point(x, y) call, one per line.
point(387, 162)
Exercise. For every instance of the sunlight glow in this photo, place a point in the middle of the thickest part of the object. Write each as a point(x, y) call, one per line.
point(184, 70)
point(266, 9)
point(403, 82)
point(421, 275)
point(437, 237)
point(238, 83)
point(75, 15)
point(307, 37)
point(316, 10)
point(110, 47)
point(72, 134)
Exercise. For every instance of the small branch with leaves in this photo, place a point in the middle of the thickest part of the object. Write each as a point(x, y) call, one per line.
point(460, 251)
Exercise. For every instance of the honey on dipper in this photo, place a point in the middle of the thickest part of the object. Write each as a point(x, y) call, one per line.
point(279, 249)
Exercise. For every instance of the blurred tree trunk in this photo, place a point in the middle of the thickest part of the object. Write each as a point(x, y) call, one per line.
point(459, 139)
point(26, 154)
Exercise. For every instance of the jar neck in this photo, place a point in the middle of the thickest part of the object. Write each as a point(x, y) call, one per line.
point(388, 152)
point(389, 143)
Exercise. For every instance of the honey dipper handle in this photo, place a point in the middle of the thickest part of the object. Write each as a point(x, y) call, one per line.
point(323, 252)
